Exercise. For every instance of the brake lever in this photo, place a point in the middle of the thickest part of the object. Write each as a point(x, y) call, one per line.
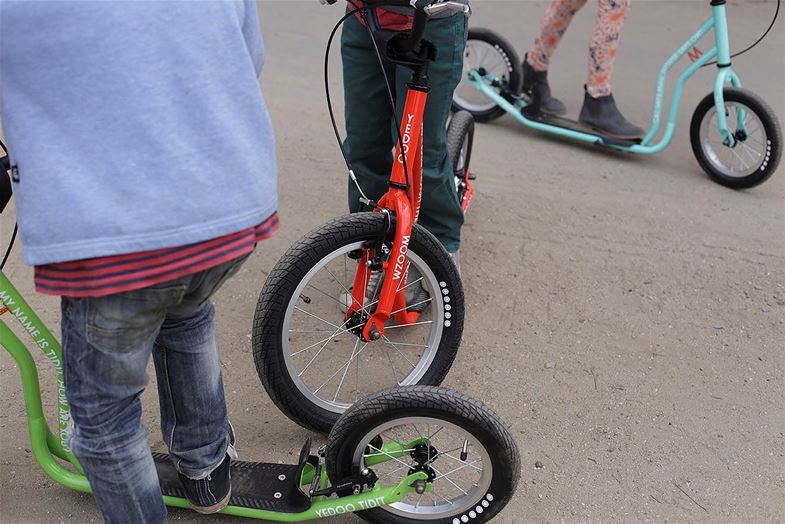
point(447, 7)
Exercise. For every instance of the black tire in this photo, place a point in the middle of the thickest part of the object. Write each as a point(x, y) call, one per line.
point(460, 131)
point(460, 140)
point(514, 73)
point(277, 294)
point(354, 427)
point(770, 151)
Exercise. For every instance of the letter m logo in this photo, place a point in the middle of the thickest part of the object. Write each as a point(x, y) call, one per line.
point(694, 54)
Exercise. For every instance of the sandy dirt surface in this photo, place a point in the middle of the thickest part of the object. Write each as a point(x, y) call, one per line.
point(625, 314)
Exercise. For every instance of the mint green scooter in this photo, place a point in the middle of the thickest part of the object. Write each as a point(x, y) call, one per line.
point(738, 146)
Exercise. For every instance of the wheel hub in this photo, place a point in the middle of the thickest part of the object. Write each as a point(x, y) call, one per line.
point(357, 322)
point(423, 454)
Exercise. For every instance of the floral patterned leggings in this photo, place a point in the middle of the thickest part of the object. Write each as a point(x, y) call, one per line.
point(603, 45)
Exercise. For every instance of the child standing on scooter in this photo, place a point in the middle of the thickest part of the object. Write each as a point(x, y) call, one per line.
point(369, 117)
point(599, 108)
point(109, 108)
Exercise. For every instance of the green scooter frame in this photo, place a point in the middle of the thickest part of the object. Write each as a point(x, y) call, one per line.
point(341, 478)
point(762, 162)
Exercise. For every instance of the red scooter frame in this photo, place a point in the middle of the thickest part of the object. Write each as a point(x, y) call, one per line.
point(403, 199)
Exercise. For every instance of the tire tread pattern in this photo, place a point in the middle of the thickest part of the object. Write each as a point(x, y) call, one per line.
point(286, 276)
point(467, 412)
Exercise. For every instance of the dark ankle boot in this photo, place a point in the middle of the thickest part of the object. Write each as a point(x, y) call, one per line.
point(602, 115)
point(535, 84)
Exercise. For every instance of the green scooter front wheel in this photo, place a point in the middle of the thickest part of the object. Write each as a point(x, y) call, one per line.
point(757, 146)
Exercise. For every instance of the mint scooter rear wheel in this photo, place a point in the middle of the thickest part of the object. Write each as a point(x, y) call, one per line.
point(757, 147)
point(492, 55)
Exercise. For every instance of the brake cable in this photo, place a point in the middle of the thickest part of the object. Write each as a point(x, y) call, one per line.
point(362, 10)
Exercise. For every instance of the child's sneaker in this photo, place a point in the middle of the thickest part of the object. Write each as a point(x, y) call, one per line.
point(210, 494)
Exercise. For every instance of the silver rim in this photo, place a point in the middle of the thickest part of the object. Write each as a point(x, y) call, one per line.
point(460, 486)
point(478, 54)
point(748, 155)
point(332, 367)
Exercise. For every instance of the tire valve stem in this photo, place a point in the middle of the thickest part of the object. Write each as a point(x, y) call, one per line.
point(465, 451)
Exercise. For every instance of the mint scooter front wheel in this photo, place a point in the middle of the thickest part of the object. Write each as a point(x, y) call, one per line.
point(469, 456)
point(753, 154)
point(492, 55)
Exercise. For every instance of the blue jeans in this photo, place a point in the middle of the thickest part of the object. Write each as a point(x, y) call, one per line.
point(107, 343)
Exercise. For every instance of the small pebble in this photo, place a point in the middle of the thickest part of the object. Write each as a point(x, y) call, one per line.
point(538, 465)
point(550, 365)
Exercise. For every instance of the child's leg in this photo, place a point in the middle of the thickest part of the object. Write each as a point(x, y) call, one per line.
point(368, 115)
point(552, 27)
point(440, 213)
point(604, 44)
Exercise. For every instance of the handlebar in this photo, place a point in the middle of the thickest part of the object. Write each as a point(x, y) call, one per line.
point(423, 10)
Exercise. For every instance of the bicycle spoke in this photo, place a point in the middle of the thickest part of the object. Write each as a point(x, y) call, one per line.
point(408, 344)
point(318, 352)
point(381, 454)
point(399, 289)
point(466, 465)
point(339, 369)
point(335, 334)
point(387, 340)
point(412, 306)
point(743, 163)
point(344, 373)
point(396, 459)
point(392, 366)
point(325, 293)
point(747, 149)
point(345, 289)
point(435, 433)
point(316, 317)
point(398, 326)
point(356, 376)
point(394, 440)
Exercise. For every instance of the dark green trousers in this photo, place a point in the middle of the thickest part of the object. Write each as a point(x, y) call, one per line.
point(370, 126)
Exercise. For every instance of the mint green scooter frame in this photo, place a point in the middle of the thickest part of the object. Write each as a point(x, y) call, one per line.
point(53, 456)
point(721, 51)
